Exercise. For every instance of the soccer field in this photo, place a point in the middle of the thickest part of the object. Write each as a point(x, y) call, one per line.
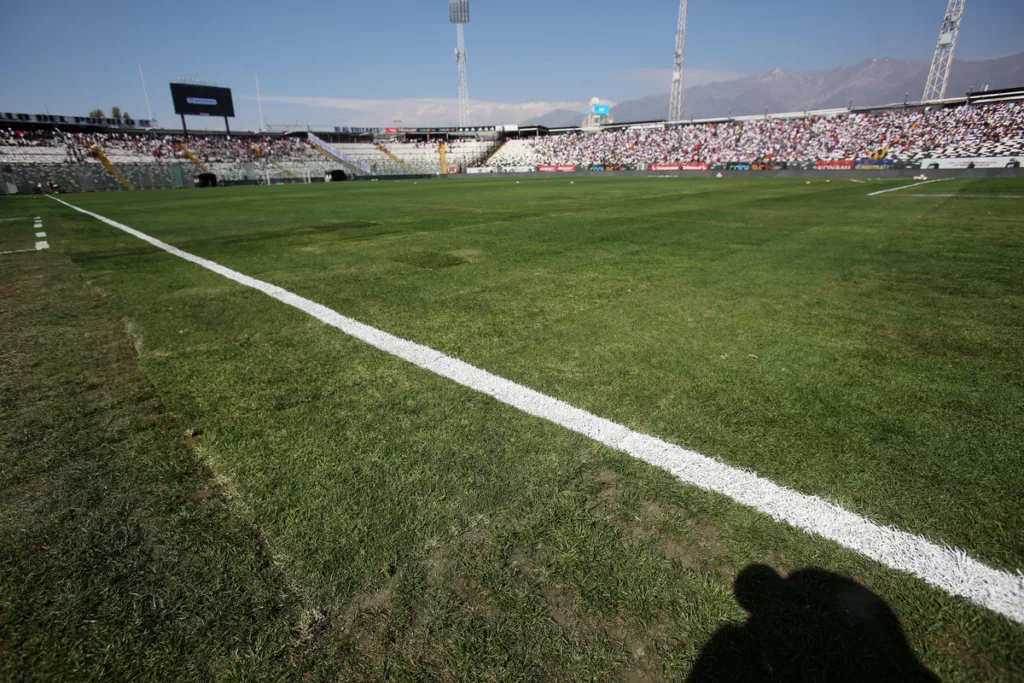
point(389, 519)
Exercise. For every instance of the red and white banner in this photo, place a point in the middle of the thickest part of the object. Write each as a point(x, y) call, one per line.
point(834, 165)
point(677, 167)
point(392, 131)
point(556, 169)
point(453, 169)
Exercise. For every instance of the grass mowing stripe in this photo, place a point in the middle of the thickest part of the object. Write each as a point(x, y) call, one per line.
point(907, 187)
point(947, 568)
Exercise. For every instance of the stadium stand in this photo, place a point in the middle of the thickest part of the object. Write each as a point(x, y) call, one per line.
point(515, 153)
point(965, 131)
point(150, 159)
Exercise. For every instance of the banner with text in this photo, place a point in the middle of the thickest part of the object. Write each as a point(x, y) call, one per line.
point(873, 164)
point(677, 167)
point(975, 162)
point(564, 168)
point(834, 165)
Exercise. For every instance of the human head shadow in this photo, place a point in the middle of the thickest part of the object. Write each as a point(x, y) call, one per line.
point(812, 626)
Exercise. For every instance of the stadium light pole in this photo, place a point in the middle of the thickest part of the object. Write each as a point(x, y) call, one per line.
point(942, 62)
point(146, 94)
point(259, 102)
point(675, 102)
point(458, 14)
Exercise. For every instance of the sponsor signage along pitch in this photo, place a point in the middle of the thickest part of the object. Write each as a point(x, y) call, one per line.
point(978, 162)
point(873, 164)
point(841, 165)
point(677, 167)
point(564, 168)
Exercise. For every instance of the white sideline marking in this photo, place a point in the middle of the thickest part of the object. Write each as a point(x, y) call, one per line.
point(42, 245)
point(950, 569)
point(16, 251)
point(17, 218)
point(907, 187)
point(40, 234)
point(973, 196)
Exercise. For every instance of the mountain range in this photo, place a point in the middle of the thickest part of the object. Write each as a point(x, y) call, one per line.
point(872, 82)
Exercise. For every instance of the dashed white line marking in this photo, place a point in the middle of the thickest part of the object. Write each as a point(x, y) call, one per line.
point(950, 569)
point(42, 245)
point(40, 234)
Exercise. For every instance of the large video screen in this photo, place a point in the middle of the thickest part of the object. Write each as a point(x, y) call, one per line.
point(202, 100)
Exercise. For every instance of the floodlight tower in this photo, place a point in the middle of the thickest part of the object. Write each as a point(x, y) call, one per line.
point(942, 62)
point(458, 14)
point(675, 102)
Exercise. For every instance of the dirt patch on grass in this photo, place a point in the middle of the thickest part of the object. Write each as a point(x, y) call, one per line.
point(674, 531)
point(932, 342)
point(429, 260)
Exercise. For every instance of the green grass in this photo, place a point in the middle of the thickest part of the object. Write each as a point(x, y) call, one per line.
point(866, 350)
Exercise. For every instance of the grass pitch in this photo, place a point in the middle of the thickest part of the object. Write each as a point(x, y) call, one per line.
point(381, 522)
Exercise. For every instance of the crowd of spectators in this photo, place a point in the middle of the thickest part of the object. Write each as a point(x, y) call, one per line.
point(78, 147)
point(897, 135)
point(991, 130)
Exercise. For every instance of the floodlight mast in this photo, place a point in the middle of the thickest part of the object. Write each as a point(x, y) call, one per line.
point(458, 14)
point(675, 102)
point(942, 62)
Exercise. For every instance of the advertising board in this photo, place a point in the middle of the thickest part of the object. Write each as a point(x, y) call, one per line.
point(677, 167)
point(873, 164)
point(841, 165)
point(974, 162)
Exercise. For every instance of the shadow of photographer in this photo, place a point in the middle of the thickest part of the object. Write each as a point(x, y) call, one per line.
point(812, 626)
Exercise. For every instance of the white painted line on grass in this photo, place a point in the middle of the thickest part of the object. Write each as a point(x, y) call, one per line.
point(42, 245)
point(907, 187)
point(40, 234)
point(971, 196)
point(16, 218)
point(16, 251)
point(944, 567)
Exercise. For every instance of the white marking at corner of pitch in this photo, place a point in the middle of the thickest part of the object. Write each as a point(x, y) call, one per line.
point(42, 245)
point(907, 187)
point(40, 234)
point(948, 569)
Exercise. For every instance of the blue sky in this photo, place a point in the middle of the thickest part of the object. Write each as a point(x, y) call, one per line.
point(345, 63)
